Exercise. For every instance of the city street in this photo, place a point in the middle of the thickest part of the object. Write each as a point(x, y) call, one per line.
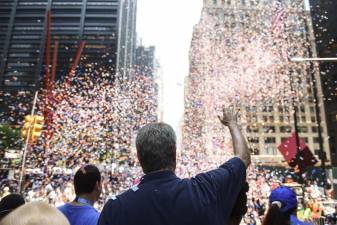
point(79, 79)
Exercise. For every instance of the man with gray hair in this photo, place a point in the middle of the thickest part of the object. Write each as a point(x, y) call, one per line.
point(163, 198)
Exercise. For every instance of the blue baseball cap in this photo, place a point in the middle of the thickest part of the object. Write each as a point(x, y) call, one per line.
point(286, 196)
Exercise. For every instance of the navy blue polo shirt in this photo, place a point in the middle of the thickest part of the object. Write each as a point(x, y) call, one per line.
point(164, 199)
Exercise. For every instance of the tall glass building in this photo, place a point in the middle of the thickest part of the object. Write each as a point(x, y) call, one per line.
point(106, 25)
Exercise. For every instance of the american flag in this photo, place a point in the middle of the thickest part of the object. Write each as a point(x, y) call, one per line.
point(278, 20)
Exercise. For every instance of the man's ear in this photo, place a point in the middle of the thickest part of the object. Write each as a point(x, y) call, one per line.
point(99, 185)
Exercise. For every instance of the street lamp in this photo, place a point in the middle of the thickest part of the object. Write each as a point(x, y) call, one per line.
point(300, 59)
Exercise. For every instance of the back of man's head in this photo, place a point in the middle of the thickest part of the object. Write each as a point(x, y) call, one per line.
point(156, 147)
point(9, 203)
point(85, 179)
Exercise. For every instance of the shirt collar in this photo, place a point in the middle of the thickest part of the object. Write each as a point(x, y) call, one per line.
point(159, 175)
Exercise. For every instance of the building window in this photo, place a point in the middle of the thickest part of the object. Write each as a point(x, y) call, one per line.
point(254, 140)
point(251, 129)
point(316, 140)
point(285, 129)
point(270, 150)
point(312, 109)
point(265, 109)
point(314, 129)
point(302, 109)
point(269, 129)
point(303, 129)
point(270, 140)
point(311, 99)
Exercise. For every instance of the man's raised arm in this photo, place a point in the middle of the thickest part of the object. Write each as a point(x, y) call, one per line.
point(241, 150)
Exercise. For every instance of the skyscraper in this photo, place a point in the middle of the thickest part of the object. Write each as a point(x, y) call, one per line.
point(101, 23)
point(324, 18)
point(127, 36)
point(145, 60)
point(239, 57)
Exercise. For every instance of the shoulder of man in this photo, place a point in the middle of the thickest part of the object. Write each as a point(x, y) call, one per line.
point(112, 207)
point(227, 180)
point(63, 208)
point(92, 219)
point(233, 169)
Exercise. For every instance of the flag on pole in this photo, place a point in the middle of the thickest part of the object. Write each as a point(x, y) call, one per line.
point(278, 19)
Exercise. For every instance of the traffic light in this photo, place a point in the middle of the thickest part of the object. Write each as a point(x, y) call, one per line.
point(29, 120)
point(37, 127)
point(35, 124)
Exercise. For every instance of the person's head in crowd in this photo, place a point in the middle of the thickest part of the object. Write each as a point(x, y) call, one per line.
point(240, 208)
point(282, 204)
point(5, 191)
point(9, 203)
point(156, 147)
point(87, 183)
point(35, 213)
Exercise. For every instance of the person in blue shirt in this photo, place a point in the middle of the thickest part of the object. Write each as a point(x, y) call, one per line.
point(240, 207)
point(163, 198)
point(282, 208)
point(87, 184)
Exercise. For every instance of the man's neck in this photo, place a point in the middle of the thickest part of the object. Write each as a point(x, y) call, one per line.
point(89, 197)
point(161, 170)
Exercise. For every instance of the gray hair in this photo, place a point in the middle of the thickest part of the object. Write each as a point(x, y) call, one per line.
point(156, 147)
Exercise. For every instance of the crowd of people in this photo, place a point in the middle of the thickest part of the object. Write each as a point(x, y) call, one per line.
point(311, 194)
point(93, 121)
point(268, 194)
point(261, 182)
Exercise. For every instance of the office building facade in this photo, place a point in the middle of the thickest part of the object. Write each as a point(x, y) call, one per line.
point(100, 23)
point(268, 120)
point(144, 63)
point(127, 37)
point(324, 16)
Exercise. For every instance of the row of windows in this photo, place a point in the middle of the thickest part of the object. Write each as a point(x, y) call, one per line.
point(246, 2)
point(275, 119)
point(18, 83)
point(284, 108)
point(270, 150)
point(272, 140)
point(282, 129)
point(100, 19)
